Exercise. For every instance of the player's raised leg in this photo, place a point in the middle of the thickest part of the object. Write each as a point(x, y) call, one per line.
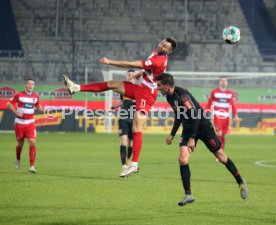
point(116, 86)
point(229, 164)
point(221, 138)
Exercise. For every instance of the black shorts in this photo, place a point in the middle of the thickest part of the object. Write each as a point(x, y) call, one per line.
point(125, 128)
point(206, 133)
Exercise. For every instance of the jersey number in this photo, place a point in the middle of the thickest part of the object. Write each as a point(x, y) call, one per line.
point(143, 103)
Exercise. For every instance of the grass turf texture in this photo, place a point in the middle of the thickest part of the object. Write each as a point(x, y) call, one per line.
point(77, 183)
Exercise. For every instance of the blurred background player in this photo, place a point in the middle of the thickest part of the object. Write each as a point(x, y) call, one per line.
point(221, 102)
point(144, 94)
point(23, 105)
point(195, 126)
point(125, 124)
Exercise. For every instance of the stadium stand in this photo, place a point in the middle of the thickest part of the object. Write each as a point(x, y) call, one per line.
point(64, 36)
point(261, 25)
point(9, 39)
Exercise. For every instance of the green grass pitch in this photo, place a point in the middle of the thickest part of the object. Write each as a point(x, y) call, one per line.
point(77, 183)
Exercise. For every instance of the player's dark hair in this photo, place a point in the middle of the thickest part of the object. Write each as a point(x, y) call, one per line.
point(222, 77)
point(166, 78)
point(131, 70)
point(172, 41)
point(28, 78)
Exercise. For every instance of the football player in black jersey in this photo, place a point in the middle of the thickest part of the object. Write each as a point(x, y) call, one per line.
point(196, 125)
point(126, 113)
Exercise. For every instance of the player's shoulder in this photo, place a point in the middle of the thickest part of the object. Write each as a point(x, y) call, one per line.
point(181, 90)
point(35, 94)
point(216, 90)
point(20, 93)
point(159, 58)
point(229, 91)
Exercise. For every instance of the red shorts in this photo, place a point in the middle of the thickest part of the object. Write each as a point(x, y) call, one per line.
point(221, 124)
point(145, 97)
point(25, 131)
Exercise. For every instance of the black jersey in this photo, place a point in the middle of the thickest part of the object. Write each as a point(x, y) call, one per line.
point(187, 110)
point(127, 109)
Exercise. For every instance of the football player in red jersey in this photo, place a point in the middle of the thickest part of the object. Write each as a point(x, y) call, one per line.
point(222, 100)
point(144, 94)
point(23, 105)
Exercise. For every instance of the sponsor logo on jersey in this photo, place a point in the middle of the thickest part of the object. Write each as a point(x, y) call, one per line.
point(28, 105)
point(148, 63)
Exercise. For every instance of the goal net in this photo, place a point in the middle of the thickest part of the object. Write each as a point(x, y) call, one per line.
point(254, 93)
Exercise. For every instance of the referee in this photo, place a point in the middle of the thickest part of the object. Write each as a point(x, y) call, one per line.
point(195, 126)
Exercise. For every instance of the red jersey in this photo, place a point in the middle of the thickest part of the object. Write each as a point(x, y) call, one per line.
point(223, 101)
point(26, 104)
point(154, 66)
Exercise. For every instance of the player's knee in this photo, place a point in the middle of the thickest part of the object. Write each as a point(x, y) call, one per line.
point(32, 143)
point(221, 156)
point(114, 84)
point(110, 84)
point(183, 160)
point(123, 140)
point(137, 126)
point(20, 143)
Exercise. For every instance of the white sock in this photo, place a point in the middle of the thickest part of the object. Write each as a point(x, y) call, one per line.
point(77, 88)
point(134, 164)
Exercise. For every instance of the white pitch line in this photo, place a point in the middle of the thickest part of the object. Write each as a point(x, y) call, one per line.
point(261, 163)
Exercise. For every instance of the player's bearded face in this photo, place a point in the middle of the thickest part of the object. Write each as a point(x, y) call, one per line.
point(29, 86)
point(164, 47)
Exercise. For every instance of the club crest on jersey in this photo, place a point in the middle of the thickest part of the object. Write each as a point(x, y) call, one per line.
point(34, 99)
point(186, 103)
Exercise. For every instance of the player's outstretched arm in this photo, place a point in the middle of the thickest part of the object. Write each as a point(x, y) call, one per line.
point(121, 63)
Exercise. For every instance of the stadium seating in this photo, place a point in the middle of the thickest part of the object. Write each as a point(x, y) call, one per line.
point(129, 29)
point(262, 26)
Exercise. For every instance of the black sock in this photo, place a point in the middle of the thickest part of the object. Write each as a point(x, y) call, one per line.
point(123, 154)
point(186, 178)
point(233, 170)
point(129, 152)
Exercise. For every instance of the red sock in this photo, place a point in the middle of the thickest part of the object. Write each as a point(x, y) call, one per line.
point(137, 145)
point(32, 153)
point(221, 138)
point(94, 87)
point(18, 152)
